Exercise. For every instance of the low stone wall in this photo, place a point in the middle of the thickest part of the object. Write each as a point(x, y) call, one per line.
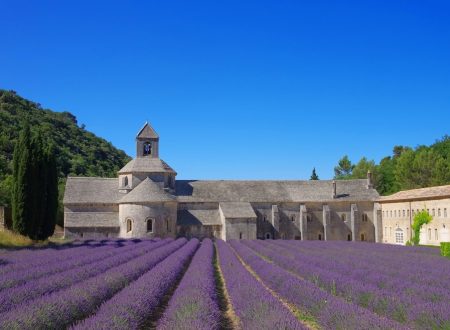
point(5, 218)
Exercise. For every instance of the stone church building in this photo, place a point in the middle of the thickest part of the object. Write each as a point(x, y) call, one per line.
point(146, 200)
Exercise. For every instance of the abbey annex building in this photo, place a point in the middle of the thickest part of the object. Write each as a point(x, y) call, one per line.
point(146, 200)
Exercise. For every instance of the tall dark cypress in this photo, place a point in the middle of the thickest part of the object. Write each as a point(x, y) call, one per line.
point(21, 197)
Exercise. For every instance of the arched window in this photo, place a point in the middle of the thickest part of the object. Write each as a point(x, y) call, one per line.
point(439, 212)
point(344, 217)
point(147, 149)
point(349, 237)
point(129, 225)
point(399, 236)
point(320, 237)
point(364, 217)
point(363, 237)
point(268, 236)
point(308, 218)
point(125, 181)
point(149, 225)
point(240, 235)
point(292, 218)
point(445, 213)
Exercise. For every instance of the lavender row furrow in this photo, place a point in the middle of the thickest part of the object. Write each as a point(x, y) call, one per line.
point(27, 258)
point(255, 306)
point(9, 298)
point(194, 303)
point(392, 268)
point(60, 309)
point(132, 307)
point(372, 280)
point(78, 258)
point(329, 311)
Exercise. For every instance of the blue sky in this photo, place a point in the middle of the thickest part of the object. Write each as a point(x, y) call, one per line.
point(239, 89)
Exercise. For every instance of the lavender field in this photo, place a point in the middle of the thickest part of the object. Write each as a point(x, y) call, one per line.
point(188, 284)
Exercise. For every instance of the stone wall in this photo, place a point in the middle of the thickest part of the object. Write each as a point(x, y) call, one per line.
point(5, 218)
point(163, 215)
point(397, 219)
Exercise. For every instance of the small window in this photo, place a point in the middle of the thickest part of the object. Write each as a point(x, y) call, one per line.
point(240, 235)
point(385, 231)
point(399, 236)
point(363, 237)
point(308, 218)
point(268, 236)
point(445, 213)
point(395, 213)
point(407, 211)
point(150, 225)
point(404, 213)
point(129, 225)
point(390, 231)
point(125, 181)
point(349, 237)
point(429, 234)
point(436, 235)
point(167, 226)
point(365, 218)
point(147, 149)
point(383, 214)
point(292, 218)
point(433, 212)
point(391, 213)
point(344, 217)
point(320, 237)
point(439, 212)
point(264, 218)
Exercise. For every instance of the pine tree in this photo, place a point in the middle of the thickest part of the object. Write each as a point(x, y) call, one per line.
point(314, 175)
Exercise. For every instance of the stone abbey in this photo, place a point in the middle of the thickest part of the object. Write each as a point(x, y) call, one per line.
point(146, 200)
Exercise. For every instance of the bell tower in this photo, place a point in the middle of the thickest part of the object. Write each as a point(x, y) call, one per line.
point(147, 142)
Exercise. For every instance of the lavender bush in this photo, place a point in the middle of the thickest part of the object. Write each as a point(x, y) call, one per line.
point(329, 311)
point(62, 308)
point(132, 307)
point(255, 306)
point(194, 304)
point(9, 298)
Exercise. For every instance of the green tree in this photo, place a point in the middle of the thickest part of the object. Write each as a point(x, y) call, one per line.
point(314, 175)
point(420, 219)
point(344, 168)
point(21, 197)
point(386, 182)
point(35, 187)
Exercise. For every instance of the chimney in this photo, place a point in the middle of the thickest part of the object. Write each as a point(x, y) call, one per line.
point(369, 180)
point(334, 189)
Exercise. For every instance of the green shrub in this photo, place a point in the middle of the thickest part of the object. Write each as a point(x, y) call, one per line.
point(445, 249)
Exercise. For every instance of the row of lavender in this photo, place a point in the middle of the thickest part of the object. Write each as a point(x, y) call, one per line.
point(376, 280)
point(64, 306)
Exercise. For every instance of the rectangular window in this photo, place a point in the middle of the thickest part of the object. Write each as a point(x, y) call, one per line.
point(391, 213)
point(404, 213)
point(399, 237)
point(385, 231)
point(445, 213)
point(390, 231)
point(436, 236)
point(429, 234)
point(439, 212)
point(433, 212)
point(408, 212)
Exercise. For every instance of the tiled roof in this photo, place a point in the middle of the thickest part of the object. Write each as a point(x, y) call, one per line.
point(147, 191)
point(81, 190)
point(418, 194)
point(273, 191)
point(147, 132)
point(146, 165)
point(235, 210)
point(198, 217)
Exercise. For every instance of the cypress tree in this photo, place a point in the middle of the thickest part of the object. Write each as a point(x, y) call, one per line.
point(21, 197)
point(314, 175)
point(35, 187)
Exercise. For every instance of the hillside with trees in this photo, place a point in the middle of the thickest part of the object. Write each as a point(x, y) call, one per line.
point(78, 152)
point(406, 168)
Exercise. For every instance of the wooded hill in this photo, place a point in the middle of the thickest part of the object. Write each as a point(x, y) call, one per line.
point(78, 151)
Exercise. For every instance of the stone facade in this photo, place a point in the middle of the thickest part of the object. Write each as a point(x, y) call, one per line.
point(5, 218)
point(399, 209)
point(146, 200)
